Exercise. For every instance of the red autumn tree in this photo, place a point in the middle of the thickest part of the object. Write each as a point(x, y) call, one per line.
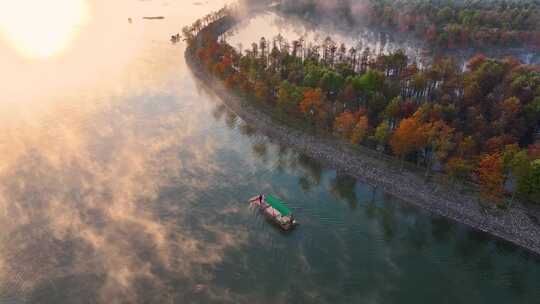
point(476, 61)
point(312, 102)
point(431, 33)
point(409, 136)
point(344, 124)
point(490, 176)
point(534, 151)
point(360, 130)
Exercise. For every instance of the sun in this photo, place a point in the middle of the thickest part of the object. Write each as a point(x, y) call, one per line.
point(41, 28)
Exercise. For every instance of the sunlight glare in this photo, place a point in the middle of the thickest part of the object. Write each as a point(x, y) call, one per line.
point(41, 28)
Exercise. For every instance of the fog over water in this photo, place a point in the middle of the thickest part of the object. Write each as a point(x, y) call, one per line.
point(314, 28)
point(123, 179)
point(272, 23)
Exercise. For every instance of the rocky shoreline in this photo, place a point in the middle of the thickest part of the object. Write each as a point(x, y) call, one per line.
point(516, 225)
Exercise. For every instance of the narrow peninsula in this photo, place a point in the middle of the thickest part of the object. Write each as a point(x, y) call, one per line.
point(460, 143)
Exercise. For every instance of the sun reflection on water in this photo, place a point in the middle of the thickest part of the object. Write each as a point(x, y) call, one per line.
point(39, 29)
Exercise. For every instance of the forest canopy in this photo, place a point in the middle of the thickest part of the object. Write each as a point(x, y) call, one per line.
point(479, 124)
point(442, 23)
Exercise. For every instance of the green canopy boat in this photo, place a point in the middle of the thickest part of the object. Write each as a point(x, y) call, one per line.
point(279, 205)
point(276, 210)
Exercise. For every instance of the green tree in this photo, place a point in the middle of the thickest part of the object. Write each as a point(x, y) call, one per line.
point(532, 112)
point(371, 81)
point(489, 75)
point(331, 83)
point(392, 111)
point(445, 15)
point(313, 75)
point(516, 164)
point(441, 140)
point(382, 135)
point(529, 187)
point(288, 97)
point(458, 169)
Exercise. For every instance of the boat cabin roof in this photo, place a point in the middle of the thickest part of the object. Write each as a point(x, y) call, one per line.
point(278, 205)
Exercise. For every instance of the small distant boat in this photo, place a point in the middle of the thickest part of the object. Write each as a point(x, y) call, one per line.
point(275, 210)
point(175, 38)
point(154, 18)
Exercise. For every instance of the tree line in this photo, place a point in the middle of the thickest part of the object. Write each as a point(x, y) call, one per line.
point(478, 124)
point(442, 23)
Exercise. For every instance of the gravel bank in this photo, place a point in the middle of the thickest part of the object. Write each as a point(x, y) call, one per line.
point(516, 225)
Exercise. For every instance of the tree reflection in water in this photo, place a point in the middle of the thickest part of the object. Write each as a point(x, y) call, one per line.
point(343, 186)
point(311, 172)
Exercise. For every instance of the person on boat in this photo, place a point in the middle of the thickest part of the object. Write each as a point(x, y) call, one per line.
point(260, 198)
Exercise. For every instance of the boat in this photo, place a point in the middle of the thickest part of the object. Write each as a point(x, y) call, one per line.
point(175, 38)
point(275, 210)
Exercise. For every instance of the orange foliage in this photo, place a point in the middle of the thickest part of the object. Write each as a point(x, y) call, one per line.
point(441, 137)
point(490, 176)
point(312, 101)
point(344, 124)
point(497, 143)
point(409, 136)
point(232, 81)
point(476, 61)
point(224, 67)
point(262, 91)
point(360, 130)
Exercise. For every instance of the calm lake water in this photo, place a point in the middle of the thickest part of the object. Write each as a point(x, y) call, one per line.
point(124, 180)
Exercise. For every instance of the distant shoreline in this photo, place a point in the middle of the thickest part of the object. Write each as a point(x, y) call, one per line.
point(515, 225)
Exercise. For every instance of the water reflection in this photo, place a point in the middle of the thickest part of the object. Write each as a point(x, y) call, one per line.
point(87, 205)
point(395, 223)
point(83, 204)
point(312, 172)
point(344, 187)
point(369, 244)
